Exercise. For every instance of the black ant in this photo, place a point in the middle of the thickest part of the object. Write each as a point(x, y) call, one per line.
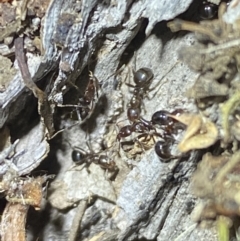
point(163, 119)
point(207, 10)
point(142, 127)
point(80, 156)
point(87, 103)
point(170, 126)
point(142, 79)
point(162, 149)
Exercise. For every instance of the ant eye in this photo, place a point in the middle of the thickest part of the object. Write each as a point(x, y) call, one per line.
point(207, 10)
point(77, 157)
point(143, 76)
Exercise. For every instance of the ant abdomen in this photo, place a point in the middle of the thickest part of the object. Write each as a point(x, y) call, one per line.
point(133, 114)
point(207, 10)
point(162, 149)
point(80, 157)
point(106, 163)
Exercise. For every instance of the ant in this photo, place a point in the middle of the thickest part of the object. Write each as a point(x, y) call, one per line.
point(87, 103)
point(170, 127)
point(142, 79)
point(80, 156)
point(163, 119)
point(142, 127)
point(207, 10)
point(162, 149)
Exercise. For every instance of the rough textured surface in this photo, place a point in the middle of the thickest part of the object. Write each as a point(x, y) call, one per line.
point(149, 201)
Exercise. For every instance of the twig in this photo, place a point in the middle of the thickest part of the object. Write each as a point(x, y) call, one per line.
point(44, 108)
point(76, 223)
point(13, 222)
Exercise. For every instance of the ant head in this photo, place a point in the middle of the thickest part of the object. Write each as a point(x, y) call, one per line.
point(78, 157)
point(143, 77)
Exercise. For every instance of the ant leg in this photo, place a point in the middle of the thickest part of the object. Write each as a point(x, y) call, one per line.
point(96, 83)
point(106, 175)
point(119, 71)
point(137, 139)
point(156, 134)
point(73, 85)
point(130, 85)
point(126, 143)
point(134, 61)
point(88, 142)
point(144, 107)
point(78, 114)
point(159, 82)
point(79, 122)
point(128, 77)
point(80, 149)
point(75, 167)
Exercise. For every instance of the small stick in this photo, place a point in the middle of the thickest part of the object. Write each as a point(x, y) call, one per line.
point(13, 222)
point(76, 223)
point(44, 108)
point(26, 76)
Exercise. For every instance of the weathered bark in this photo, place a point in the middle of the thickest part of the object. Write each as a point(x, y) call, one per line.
point(150, 201)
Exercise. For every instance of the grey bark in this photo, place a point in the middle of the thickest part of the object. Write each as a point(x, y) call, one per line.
point(142, 202)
